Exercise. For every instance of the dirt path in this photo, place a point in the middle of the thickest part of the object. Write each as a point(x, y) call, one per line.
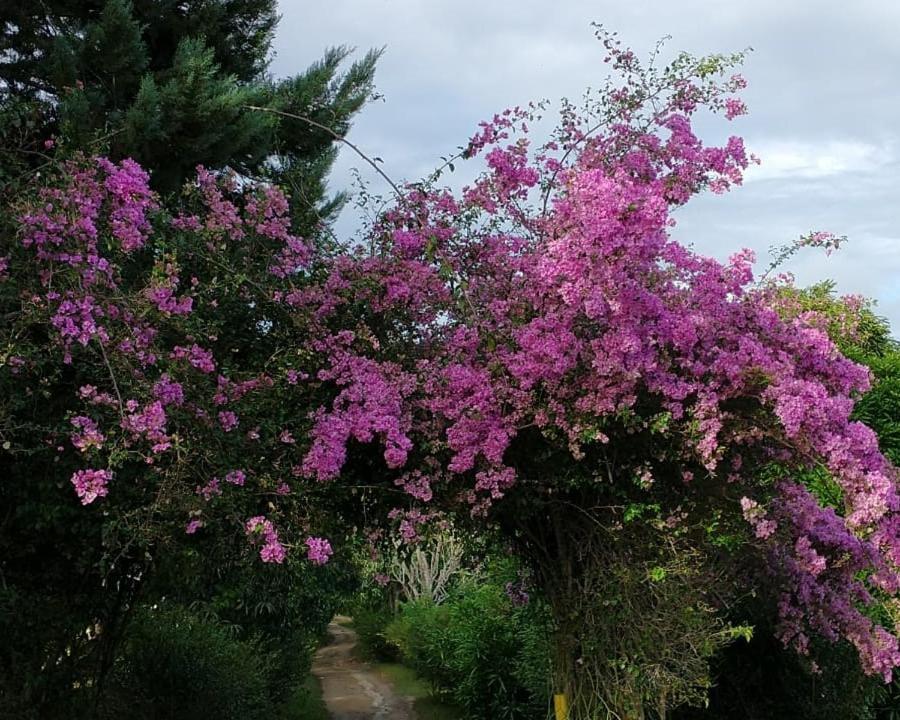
point(352, 691)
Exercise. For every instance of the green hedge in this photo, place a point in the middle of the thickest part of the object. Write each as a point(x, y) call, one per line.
point(371, 619)
point(175, 665)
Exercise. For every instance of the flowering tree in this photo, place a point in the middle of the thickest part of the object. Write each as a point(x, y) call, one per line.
point(144, 368)
point(535, 353)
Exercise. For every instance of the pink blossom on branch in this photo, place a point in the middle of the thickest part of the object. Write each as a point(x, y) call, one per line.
point(575, 312)
point(261, 531)
point(91, 484)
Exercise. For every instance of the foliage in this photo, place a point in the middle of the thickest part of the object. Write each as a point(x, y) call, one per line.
point(106, 288)
point(305, 703)
point(426, 570)
point(486, 655)
point(757, 679)
point(639, 623)
point(286, 608)
point(175, 665)
point(168, 84)
point(371, 617)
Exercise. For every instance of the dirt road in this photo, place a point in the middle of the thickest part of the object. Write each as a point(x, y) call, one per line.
point(352, 691)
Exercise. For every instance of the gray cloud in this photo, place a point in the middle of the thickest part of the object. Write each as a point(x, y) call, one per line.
point(824, 104)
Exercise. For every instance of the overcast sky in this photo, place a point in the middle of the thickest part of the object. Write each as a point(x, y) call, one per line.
point(824, 101)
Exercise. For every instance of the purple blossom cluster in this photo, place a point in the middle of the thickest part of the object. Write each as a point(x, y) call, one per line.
point(87, 435)
point(91, 484)
point(198, 357)
point(154, 390)
point(578, 312)
point(318, 550)
point(262, 531)
point(370, 403)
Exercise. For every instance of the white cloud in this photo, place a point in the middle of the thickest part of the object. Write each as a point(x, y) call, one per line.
point(808, 160)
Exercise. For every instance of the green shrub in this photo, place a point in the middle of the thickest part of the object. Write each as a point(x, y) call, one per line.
point(175, 665)
point(478, 650)
point(305, 702)
point(370, 620)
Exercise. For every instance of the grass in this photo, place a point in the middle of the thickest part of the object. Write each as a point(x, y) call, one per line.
point(404, 679)
point(408, 684)
point(305, 702)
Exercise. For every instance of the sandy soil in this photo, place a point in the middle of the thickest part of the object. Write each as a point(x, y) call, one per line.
point(352, 691)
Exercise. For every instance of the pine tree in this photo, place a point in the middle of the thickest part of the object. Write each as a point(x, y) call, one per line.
point(169, 84)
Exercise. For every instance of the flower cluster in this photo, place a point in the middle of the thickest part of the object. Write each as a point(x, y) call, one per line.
point(128, 320)
point(318, 550)
point(88, 435)
point(91, 484)
point(262, 531)
point(485, 322)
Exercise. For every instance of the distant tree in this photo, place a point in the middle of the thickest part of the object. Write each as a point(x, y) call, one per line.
point(862, 335)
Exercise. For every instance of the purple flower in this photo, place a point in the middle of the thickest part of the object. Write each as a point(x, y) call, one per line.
point(193, 526)
point(318, 550)
point(236, 477)
point(91, 484)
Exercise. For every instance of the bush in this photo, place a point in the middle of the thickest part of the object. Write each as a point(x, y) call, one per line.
point(370, 620)
point(479, 651)
point(175, 665)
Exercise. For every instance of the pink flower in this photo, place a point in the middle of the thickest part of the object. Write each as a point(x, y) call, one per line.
point(197, 356)
point(91, 484)
point(89, 436)
point(259, 529)
point(734, 108)
point(228, 420)
point(168, 392)
point(193, 526)
point(273, 552)
point(236, 477)
point(318, 550)
point(210, 490)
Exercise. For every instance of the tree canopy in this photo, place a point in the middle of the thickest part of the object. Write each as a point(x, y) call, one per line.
point(169, 85)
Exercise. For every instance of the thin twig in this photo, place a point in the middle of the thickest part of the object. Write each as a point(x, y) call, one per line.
point(112, 377)
point(337, 136)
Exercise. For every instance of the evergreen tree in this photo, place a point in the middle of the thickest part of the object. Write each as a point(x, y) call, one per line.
point(169, 84)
